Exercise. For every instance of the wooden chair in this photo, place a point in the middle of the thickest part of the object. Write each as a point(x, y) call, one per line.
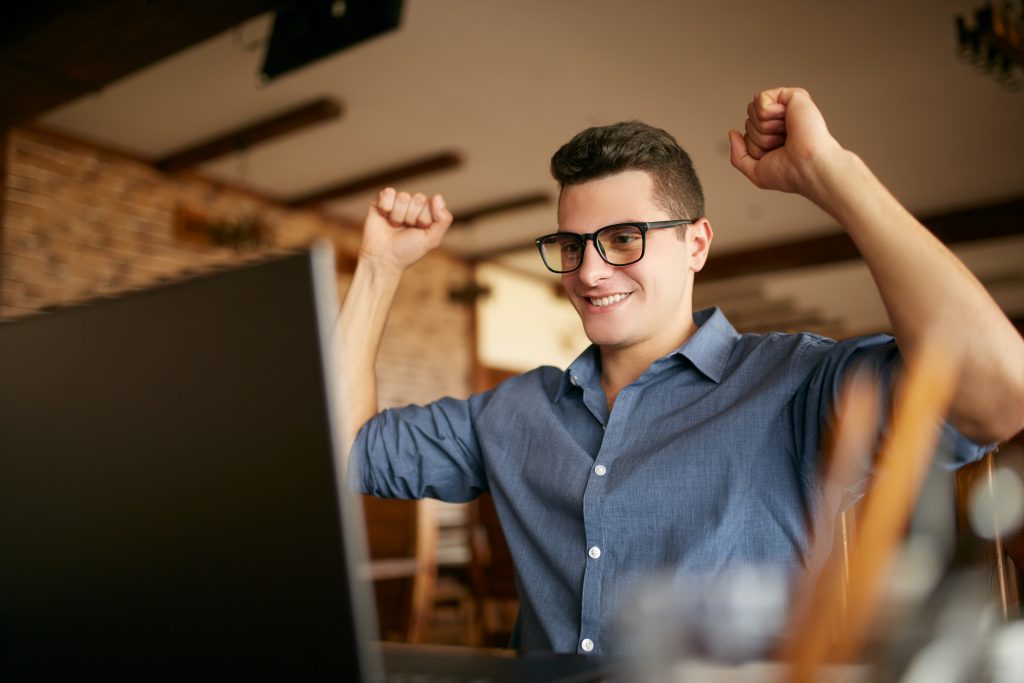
point(402, 535)
point(492, 576)
point(491, 573)
point(1004, 555)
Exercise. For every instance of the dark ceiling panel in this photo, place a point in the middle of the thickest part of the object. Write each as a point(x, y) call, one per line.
point(52, 52)
point(25, 94)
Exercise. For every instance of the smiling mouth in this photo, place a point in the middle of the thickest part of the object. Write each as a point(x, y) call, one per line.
point(606, 300)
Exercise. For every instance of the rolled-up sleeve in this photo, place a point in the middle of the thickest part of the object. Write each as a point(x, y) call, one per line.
point(427, 451)
point(877, 355)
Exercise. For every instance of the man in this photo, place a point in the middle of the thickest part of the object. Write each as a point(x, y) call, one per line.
point(673, 443)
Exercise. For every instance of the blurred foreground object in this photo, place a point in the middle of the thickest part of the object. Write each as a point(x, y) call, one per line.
point(921, 402)
point(908, 601)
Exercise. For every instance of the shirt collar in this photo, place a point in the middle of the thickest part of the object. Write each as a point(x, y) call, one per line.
point(585, 369)
point(708, 349)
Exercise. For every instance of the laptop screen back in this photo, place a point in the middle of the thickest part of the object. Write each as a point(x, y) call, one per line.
point(168, 481)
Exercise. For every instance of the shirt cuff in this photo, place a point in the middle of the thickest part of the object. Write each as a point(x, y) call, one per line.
point(956, 450)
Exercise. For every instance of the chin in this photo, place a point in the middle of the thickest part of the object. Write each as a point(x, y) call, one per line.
point(603, 332)
point(603, 337)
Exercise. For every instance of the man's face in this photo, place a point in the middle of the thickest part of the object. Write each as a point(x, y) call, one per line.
point(648, 303)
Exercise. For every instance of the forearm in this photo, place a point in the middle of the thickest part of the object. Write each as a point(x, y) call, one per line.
point(930, 296)
point(398, 231)
point(360, 328)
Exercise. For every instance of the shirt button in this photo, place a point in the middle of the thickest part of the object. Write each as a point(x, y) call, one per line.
point(587, 644)
point(575, 381)
point(600, 470)
point(594, 552)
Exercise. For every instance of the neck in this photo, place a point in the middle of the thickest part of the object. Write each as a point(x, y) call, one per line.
point(621, 366)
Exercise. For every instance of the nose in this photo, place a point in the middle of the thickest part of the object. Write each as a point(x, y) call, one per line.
point(594, 268)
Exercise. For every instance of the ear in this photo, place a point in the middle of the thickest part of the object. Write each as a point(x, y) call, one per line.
point(698, 241)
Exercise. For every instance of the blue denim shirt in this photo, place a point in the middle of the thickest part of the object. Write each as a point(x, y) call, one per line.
point(708, 461)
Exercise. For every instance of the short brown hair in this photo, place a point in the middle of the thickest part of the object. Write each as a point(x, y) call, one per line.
point(633, 146)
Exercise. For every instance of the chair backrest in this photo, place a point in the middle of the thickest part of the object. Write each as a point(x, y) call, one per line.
point(492, 575)
point(491, 560)
point(1003, 555)
point(402, 537)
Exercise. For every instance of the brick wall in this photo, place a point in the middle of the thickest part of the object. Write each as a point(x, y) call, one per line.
point(81, 222)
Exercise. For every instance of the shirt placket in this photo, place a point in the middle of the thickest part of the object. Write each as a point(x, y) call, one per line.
point(599, 552)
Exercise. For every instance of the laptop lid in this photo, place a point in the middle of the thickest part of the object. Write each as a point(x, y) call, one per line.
point(169, 482)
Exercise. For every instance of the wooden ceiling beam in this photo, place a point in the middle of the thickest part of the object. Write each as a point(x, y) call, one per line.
point(278, 125)
point(955, 227)
point(378, 179)
point(526, 201)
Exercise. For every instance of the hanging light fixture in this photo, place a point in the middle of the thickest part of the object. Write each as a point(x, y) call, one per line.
point(992, 42)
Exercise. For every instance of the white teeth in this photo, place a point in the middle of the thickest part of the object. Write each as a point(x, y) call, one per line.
point(607, 300)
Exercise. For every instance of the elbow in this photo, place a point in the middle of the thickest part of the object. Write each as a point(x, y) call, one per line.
point(1009, 428)
point(1014, 424)
point(1015, 421)
point(1007, 420)
point(996, 419)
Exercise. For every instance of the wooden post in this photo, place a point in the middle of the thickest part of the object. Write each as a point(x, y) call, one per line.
point(4, 135)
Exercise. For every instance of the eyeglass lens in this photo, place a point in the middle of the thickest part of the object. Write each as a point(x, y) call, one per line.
point(619, 246)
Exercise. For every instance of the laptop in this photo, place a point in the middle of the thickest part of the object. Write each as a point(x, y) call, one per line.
point(171, 499)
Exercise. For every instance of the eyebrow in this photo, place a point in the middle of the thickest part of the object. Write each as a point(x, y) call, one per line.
point(583, 232)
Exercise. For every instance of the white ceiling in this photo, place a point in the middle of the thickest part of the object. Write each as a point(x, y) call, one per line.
point(505, 83)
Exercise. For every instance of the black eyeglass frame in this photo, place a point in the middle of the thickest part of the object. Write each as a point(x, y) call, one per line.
point(643, 226)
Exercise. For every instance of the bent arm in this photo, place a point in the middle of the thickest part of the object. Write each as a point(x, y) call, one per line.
point(929, 295)
point(398, 231)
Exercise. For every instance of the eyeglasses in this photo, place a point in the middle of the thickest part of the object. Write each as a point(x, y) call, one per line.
point(619, 245)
